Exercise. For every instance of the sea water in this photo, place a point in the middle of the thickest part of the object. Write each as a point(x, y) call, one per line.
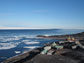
point(15, 42)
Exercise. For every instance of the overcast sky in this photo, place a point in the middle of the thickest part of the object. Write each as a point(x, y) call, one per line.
point(68, 14)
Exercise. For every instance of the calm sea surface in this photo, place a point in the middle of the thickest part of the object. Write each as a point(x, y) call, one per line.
point(15, 42)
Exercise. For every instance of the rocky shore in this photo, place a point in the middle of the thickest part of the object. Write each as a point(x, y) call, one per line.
point(64, 51)
point(78, 36)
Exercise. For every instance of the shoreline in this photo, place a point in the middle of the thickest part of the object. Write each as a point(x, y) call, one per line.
point(79, 36)
point(35, 56)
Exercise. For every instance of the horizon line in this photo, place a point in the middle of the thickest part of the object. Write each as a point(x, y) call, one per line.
point(16, 28)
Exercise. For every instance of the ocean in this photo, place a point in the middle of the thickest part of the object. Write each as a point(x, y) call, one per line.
point(15, 42)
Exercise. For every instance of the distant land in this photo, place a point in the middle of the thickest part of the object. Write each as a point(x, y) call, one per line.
point(78, 36)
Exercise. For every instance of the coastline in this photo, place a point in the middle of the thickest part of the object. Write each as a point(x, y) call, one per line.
point(79, 36)
point(35, 56)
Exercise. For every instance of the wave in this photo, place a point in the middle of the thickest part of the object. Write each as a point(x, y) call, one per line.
point(13, 38)
point(31, 47)
point(4, 46)
point(30, 42)
point(25, 40)
point(17, 52)
point(6, 39)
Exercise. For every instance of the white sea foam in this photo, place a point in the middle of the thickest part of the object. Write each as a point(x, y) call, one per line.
point(25, 40)
point(31, 47)
point(9, 39)
point(10, 45)
point(46, 35)
point(17, 52)
point(4, 46)
point(31, 42)
point(12, 38)
point(26, 36)
point(17, 38)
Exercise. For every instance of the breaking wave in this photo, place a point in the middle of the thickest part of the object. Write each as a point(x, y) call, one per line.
point(10, 45)
point(31, 47)
point(29, 42)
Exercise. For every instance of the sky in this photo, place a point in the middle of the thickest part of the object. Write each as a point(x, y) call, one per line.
point(41, 14)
